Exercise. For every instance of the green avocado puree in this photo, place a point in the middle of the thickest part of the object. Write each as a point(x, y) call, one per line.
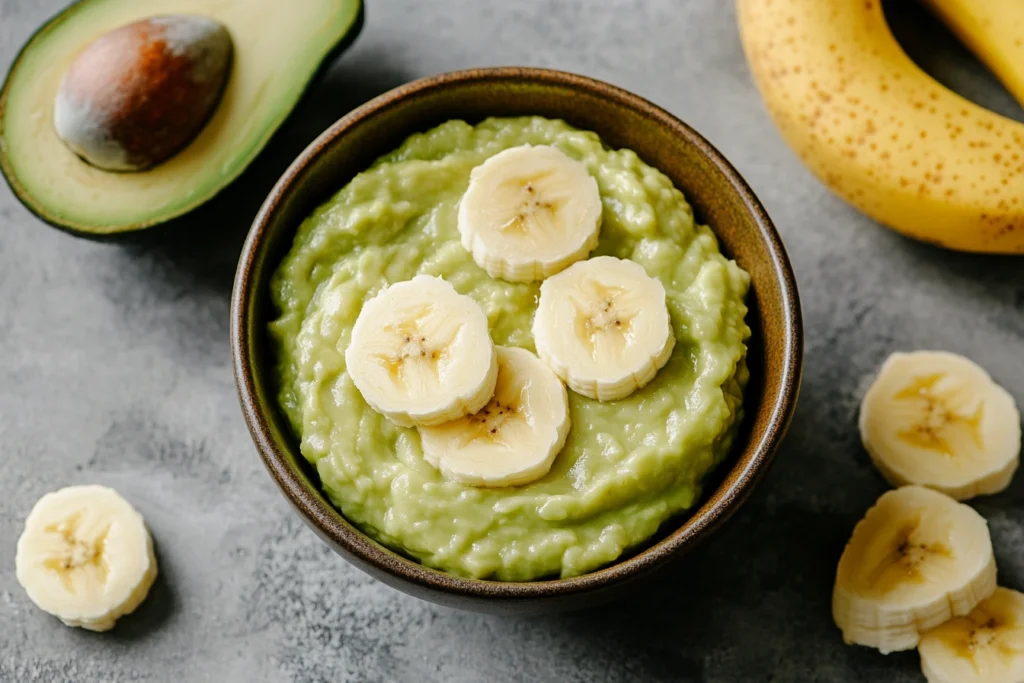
point(628, 465)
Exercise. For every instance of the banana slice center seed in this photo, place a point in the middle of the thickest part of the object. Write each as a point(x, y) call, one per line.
point(75, 552)
point(414, 347)
point(486, 425)
point(984, 636)
point(928, 434)
point(532, 211)
point(603, 327)
point(903, 564)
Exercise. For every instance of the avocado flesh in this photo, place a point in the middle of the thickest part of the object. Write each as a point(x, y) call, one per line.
point(279, 47)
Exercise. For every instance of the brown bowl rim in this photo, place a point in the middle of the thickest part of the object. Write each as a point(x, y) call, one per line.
point(740, 481)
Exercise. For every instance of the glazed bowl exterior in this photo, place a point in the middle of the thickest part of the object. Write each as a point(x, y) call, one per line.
point(719, 197)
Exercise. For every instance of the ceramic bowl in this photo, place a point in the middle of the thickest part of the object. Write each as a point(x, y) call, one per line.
point(720, 198)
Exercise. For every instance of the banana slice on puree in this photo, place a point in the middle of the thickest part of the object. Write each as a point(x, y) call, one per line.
point(517, 435)
point(937, 419)
point(916, 560)
point(421, 353)
point(986, 646)
point(529, 212)
point(85, 556)
point(603, 327)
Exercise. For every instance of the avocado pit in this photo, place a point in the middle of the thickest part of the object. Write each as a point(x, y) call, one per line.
point(140, 93)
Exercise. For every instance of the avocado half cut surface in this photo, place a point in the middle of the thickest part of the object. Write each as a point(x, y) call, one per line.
point(279, 46)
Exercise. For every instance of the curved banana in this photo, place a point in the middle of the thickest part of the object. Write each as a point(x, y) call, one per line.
point(880, 132)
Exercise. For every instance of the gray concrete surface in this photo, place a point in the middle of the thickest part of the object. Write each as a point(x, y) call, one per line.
point(114, 368)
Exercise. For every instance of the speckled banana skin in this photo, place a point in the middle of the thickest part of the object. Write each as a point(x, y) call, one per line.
point(880, 132)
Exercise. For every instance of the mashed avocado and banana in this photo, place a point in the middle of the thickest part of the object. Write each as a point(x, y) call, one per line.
point(436, 412)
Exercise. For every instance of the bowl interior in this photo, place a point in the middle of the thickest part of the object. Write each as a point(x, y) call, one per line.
point(718, 195)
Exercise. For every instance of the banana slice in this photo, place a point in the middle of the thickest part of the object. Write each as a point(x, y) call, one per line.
point(603, 327)
point(421, 353)
point(515, 438)
point(85, 556)
point(937, 419)
point(529, 212)
point(917, 559)
point(986, 646)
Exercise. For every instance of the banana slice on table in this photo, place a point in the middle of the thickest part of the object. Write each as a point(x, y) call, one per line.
point(421, 353)
point(986, 646)
point(603, 327)
point(917, 559)
point(85, 556)
point(517, 435)
point(529, 212)
point(937, 419)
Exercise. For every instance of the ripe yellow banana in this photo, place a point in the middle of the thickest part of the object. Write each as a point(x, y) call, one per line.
point(880, 132)
point(992, 29)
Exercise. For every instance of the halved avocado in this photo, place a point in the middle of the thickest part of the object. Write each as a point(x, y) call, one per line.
point(279, 47)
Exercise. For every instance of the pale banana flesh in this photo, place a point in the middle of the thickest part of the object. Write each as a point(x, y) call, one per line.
point(86, 556)
point(939, 420)
point(916, 560)
point(985, 646)
point(603, 326)
point(529, 212)
point(515, 438)
point(421, 353)
point(880, 132)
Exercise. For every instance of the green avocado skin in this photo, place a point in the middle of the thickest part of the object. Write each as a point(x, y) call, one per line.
point(131, 232)
point(628, 466)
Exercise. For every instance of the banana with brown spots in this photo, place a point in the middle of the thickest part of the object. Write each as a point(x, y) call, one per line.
point(879, 131)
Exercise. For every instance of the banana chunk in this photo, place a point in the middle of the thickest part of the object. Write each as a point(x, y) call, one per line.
point(85, 557)
point(529, 212)
point(421, 353)
point(603, 327)
point(917, 559)
point(515, 438)
point(986, 646)
point(937, 419)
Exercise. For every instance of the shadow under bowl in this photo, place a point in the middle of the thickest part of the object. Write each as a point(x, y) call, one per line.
point(720, 198)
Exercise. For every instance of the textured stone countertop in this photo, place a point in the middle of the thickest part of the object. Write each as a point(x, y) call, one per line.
point(114, 369)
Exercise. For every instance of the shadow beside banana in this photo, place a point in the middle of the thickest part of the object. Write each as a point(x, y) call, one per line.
point(883, 134)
